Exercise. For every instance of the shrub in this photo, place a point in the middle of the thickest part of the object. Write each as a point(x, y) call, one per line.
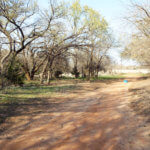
point(14, 73)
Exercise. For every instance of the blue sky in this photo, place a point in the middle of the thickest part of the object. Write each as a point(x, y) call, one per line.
point(113, 11)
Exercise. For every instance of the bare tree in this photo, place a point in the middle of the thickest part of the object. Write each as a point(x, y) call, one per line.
point(40, 38)
point(19, 27)
point(139, 47)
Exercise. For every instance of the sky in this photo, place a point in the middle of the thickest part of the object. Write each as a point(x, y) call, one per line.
point(113, 11)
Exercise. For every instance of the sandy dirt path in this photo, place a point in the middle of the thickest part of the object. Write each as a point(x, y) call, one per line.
point(96, 118)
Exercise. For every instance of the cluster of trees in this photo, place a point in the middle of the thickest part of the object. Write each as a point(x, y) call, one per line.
point(63, 38)
point(139, 47)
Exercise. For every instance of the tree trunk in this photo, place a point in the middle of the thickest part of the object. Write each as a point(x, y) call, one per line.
point(43, 71)
point(2, 81)
point(27, 75)
point(97, 73)
point(82, 73)
point(2, 68)
point(32, 77)
point(48, 77)
point(32, 74)
point(92, 73)
point(89, 73)
point(50, 71)
point(41, 78)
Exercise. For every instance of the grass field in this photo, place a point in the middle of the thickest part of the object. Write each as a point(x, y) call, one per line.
point(14, 94)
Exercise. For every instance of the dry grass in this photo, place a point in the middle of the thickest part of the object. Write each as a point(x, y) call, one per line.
point(141, 102)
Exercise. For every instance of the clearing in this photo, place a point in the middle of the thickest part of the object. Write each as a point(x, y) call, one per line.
point(94, 116)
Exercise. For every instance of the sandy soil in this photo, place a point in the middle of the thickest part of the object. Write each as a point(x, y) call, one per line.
point(97, 117)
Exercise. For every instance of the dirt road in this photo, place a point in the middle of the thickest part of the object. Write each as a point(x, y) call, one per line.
point(96, 117)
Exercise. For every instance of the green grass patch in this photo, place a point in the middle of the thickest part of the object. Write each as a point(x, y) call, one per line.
point(18, 94)
point(109, 77)
point(19, 100)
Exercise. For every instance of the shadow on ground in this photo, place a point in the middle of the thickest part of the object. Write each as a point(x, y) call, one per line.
point(141, 105)
point(16, 101)
point(100, 120)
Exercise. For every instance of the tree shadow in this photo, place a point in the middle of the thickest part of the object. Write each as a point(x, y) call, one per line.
point(98, 122)
point(95, 123)
point(11, 105)
point(142, 104)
